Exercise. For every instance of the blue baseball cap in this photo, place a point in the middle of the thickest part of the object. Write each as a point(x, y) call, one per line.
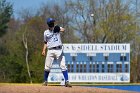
point(50, 20)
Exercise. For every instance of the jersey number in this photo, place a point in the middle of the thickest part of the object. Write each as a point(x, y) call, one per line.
point(55, 39)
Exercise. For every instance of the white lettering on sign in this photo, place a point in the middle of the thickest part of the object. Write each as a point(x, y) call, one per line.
point(96, 48)
point(91, 77)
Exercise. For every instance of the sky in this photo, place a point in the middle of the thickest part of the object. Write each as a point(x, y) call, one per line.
point(19, 5)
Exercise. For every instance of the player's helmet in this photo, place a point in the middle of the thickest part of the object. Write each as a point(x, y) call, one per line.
point(50, 20)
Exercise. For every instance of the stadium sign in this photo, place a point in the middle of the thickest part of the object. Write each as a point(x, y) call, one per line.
point(91, 77)
point(94, 63)
point(96, 48)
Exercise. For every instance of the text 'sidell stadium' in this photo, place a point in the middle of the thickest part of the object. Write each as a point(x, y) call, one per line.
point(94, 63)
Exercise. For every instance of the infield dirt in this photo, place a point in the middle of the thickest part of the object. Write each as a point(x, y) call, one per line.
point(38, 88)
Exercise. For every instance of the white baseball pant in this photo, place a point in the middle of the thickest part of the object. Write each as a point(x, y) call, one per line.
point(51, 54)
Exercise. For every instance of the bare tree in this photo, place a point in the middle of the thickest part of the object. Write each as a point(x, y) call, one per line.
point(25, 42)
point(61, 14)
point(81, 21)
point(112, 22)
point(136, 46)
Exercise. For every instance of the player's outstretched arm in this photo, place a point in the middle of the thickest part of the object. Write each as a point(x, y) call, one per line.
point(44, 50)
point(58, 29)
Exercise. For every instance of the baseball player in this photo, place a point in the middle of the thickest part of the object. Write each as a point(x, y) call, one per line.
point(52, 41)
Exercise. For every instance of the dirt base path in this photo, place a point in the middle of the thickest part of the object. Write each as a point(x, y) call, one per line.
point(38, 88)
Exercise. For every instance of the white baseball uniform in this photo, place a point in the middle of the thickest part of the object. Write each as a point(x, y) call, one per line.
point(55, 50)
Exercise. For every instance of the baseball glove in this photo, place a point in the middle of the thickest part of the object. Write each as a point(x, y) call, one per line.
point(56, 29)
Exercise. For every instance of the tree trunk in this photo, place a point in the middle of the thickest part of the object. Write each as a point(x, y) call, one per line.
point(4, 76)
point(26, 48)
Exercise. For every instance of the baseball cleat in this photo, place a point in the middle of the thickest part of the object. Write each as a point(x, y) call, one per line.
point(67, 84)
point(45, 83)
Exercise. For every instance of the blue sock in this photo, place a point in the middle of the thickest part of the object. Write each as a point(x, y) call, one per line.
point(65, 74)
point(46, 74)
